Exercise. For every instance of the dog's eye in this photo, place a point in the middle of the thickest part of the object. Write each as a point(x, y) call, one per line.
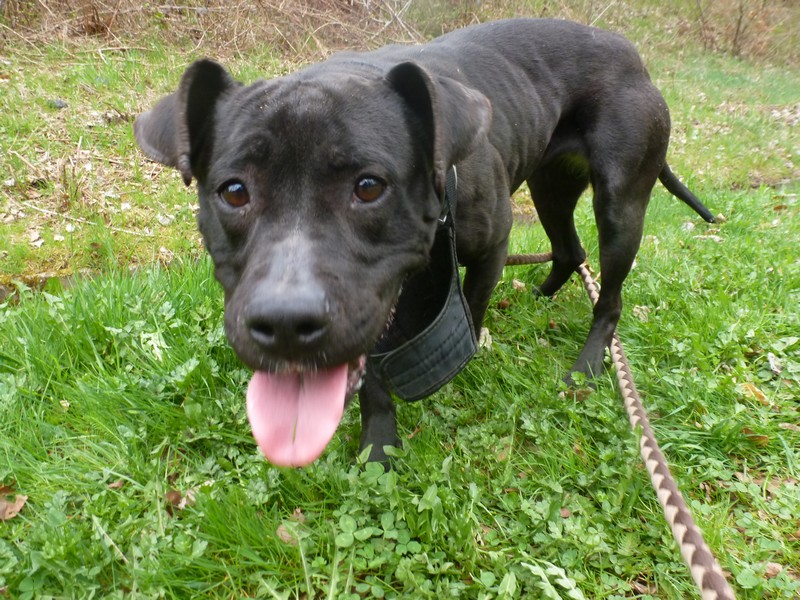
point(368, 189)
point(234, 193)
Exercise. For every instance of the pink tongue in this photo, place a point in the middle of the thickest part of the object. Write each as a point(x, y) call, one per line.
point(294, 415)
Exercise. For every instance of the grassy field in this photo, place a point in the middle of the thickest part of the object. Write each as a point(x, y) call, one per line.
point(127, 469)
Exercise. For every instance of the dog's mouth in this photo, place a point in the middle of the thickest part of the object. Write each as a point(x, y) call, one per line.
point(295, 412)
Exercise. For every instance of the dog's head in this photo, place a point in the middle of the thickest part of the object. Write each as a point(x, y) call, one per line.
point(319, 194)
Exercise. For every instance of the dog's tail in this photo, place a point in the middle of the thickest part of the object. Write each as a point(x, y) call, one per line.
point(679, 190)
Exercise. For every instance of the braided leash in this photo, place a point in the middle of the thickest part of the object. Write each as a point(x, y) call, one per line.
point(704, 568)
point(528, 259)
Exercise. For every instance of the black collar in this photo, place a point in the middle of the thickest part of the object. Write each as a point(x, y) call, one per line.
point(432, 337)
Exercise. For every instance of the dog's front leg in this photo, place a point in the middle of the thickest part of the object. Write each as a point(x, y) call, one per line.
point(378, 418)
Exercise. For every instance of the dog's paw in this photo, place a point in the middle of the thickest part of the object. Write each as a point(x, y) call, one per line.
point(485, 339)
point(538, 293)
point(577, 380)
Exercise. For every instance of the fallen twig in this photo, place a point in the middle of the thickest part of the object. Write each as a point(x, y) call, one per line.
point(53, 213)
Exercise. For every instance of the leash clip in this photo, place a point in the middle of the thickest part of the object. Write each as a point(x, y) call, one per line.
point(449, 200)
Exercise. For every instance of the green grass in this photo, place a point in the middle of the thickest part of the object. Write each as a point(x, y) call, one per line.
point(122, 389)
point(76, 193)
point(122, 407)
point(75, 184)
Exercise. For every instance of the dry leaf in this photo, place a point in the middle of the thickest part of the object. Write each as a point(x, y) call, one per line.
point(519, 285)
point(116, 485)
point(773, 570)
point(752, 391)
point(643, 588)
point(581, 394)
point(285, 535)
point(298, 516)
point(757, 439)
point(641, 312)
point(176, 500)
point(774, 363)
point(10, 508)
point(713, 238)
point(503, 304)
point(414, 433)
point(173, 497)
point(708, 489)
point(566, 513)
point(165, 255)
point(188, 499)
point(6, 490)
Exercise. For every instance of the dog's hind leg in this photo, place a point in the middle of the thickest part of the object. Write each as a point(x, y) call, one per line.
point(556, 188)
point(620, 221)
point(627, 145)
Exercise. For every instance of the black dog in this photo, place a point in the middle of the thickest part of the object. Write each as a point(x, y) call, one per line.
point(321, 194)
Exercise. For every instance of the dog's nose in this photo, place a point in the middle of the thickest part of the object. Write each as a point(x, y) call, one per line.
point(289, 324)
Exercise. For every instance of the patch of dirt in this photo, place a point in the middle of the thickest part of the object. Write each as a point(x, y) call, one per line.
point(522, 206)
point(299, 28)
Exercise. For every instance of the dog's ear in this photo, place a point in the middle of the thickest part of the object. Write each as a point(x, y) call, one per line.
point(454, 115)
point(178, 131)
